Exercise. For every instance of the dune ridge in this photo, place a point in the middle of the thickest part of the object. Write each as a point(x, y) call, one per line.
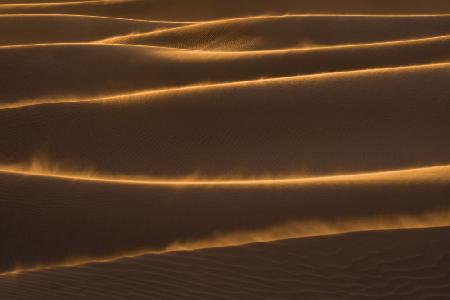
point(50, 28)
point(154, 68)
point(262, 33)
point(434, 173)
point(413, 266)
point(396, 197)
point(201, 10)
point(238, 238)
point(164, 146)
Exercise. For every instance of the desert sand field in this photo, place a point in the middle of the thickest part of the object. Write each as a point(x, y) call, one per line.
point(212, 149)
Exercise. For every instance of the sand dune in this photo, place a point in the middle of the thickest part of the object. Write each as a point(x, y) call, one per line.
point(41, 29)
point(262, 33)
point(371, 120)
point(196, 10)
point(146, 145)
point(130, 218)
point(90, 70)
point(45, 2)
point(403, 264)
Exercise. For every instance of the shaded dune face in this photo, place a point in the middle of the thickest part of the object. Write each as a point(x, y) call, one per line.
point(263, 33)
point(371, 120)
point(91, 71)
point(406, 264)
point(216, 9)
point(41, 29)
point(135, 128)
point(40, 219)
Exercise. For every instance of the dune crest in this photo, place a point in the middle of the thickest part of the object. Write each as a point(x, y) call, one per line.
point(154, 68)
point(347, 203)
point(302, 31)
point(366, 129)
point(242, 238)
point(432, 174)
point(51, 28)
point(201, 10)
point(413, 265)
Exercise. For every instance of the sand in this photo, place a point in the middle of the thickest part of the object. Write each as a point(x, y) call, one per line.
point(299, 31)
point(88, 76)
point(246, 128)
point(201, 150)
point(53, 28)
point(404, 264)
point(131, 218)
point(204, 10)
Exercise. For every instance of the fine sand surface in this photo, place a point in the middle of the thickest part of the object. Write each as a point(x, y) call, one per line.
point(381, 119)
point(201, 10)
point(91, 71)
point(400, 264)
point(302, 31)
point(50, 220)
point(47, 28)
point(146, 145)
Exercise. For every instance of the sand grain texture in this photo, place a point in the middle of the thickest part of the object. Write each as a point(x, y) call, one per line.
point(299, 31)
point(169, 149)
point(48, 28)
point(407, 264)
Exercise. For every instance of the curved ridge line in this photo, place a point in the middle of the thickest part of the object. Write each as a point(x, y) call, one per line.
point(180, 247)
point(87, 44)
point(380, 176)
point(283, 50)
point(37, 102)
point(236, 52)
point(53, 4)
point(93, 17)
point(229, 20)
point(262, 16)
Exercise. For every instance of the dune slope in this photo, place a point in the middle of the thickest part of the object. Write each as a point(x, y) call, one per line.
point(372, 120)
point(206, 149)
point(91, 71)
point(47, 28)
point(263, 33)
point(401, 264)
point(56, 220)
point(196, 10)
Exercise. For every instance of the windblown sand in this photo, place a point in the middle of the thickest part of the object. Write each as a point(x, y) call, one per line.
point(291, 149)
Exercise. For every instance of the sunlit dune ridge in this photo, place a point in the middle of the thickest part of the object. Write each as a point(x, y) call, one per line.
point(251, 33)
point(279, 68)
point(392, 264)
point(235, 53)
point(198, 10)
point(378, 200)
point(365, 129)
point(49, 4)
point(300, 31)
point(426, 174)
point(53, 28)
point(277, 233)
